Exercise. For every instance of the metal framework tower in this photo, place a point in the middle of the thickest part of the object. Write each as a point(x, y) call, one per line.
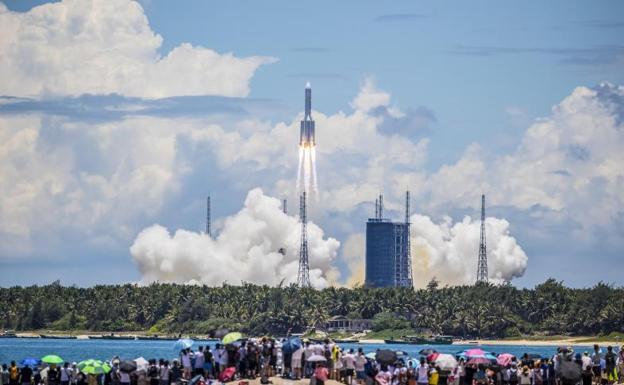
point(208, 224)
point(408, 253)
point(303, 276)
point(380, 212)
point(482, 269)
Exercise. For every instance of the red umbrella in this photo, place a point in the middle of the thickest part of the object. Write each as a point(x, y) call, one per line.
point(432, 357)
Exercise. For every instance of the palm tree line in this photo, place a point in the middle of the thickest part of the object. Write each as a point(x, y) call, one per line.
point(482, 310)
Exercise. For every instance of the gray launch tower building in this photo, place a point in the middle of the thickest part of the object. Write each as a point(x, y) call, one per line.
point(388, 257)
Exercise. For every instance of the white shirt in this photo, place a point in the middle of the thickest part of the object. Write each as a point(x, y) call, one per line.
point(297, 354)
point(65, 374)
point(360, 361)
point(124, 378)
point(309, 351)
point(164, 372)
point(199, 360)
point(223, 357)
point(349, 361)
point(422, 373)
point(186, 360)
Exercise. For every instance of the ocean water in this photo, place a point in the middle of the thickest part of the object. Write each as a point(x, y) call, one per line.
point(78, 350)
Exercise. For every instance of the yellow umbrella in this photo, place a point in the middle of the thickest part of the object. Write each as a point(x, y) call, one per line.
point(231, 337)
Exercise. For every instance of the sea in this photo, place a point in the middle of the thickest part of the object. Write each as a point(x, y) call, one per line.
point(75, 350)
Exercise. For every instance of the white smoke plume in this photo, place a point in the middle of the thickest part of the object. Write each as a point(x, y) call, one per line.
point(448, 252)
point(246, 249)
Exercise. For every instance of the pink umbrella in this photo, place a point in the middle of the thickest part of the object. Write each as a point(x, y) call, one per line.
point(505, 359)
point(478, 360)
point(475, 352)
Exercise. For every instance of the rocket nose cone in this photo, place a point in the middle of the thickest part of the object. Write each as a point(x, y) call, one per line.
point(308, 86)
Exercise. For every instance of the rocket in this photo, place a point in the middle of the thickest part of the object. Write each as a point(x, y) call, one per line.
point(307, 135)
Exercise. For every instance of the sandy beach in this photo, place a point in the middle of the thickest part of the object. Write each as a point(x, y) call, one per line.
point(575, 341)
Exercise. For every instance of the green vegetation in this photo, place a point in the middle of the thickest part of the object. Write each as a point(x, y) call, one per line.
point(471, 311)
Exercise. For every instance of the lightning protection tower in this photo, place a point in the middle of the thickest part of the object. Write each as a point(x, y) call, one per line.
point(208, 224)
point(303, 276)
point(482, 269)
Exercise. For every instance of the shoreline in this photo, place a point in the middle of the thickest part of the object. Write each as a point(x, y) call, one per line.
point(575, 341)
point(571, 341)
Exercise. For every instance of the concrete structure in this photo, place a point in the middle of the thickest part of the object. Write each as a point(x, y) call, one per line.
point(388, 258)
point(350, 325)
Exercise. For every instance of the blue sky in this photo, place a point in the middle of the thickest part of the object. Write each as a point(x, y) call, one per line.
point(459, 89)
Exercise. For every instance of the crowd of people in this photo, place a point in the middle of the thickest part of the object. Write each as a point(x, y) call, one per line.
point(325, 360)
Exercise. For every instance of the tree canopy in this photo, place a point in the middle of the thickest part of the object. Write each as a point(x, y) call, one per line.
point(481, 310)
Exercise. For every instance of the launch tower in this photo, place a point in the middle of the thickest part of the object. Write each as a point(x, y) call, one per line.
point(482, 269)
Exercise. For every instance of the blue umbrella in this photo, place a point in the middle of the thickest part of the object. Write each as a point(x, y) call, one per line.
point(291, 345)
point(183, 343)
point(30, 362)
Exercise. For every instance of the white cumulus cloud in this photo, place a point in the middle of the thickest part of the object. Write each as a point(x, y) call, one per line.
point(246, 249)
point(75, 47)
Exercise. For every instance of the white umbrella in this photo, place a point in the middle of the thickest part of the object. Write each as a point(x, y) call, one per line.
point(142, 363)
point(316, 358)
point(446, 361)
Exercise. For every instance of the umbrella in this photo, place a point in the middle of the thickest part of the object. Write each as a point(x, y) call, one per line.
point(141, 363)
point(386, 356)
point(195, 379)
point(316, 358)
point(446, 361)
point(370, 355)
point(128, 366)
point(478, 360)
point(231, 337)
point(504, 359)
point(534, 357)
point(475, 353)
point(93, 367)
point(291, 345)
point(426, 352)
point(52, 359)
point(183, 343)
point(30, 362)
point(432, 357)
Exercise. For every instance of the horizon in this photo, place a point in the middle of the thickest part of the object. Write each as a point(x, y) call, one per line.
point(119, 118)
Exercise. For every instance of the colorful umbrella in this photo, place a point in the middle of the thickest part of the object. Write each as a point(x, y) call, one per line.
point(478, 360)
point(446, 361)
point(30, 362)
point(93, 367)
point(231, 337)
point(505, 359)
point(432, 357)
point(386, 356)
point(316, 358)
point(142, 363)
point(183, 343)
point(291, 345)
point(128, 366)
point(52, 359)
point(475, 352)
point(426, 352)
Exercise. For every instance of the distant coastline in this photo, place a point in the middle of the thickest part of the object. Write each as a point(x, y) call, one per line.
point(524, 341)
